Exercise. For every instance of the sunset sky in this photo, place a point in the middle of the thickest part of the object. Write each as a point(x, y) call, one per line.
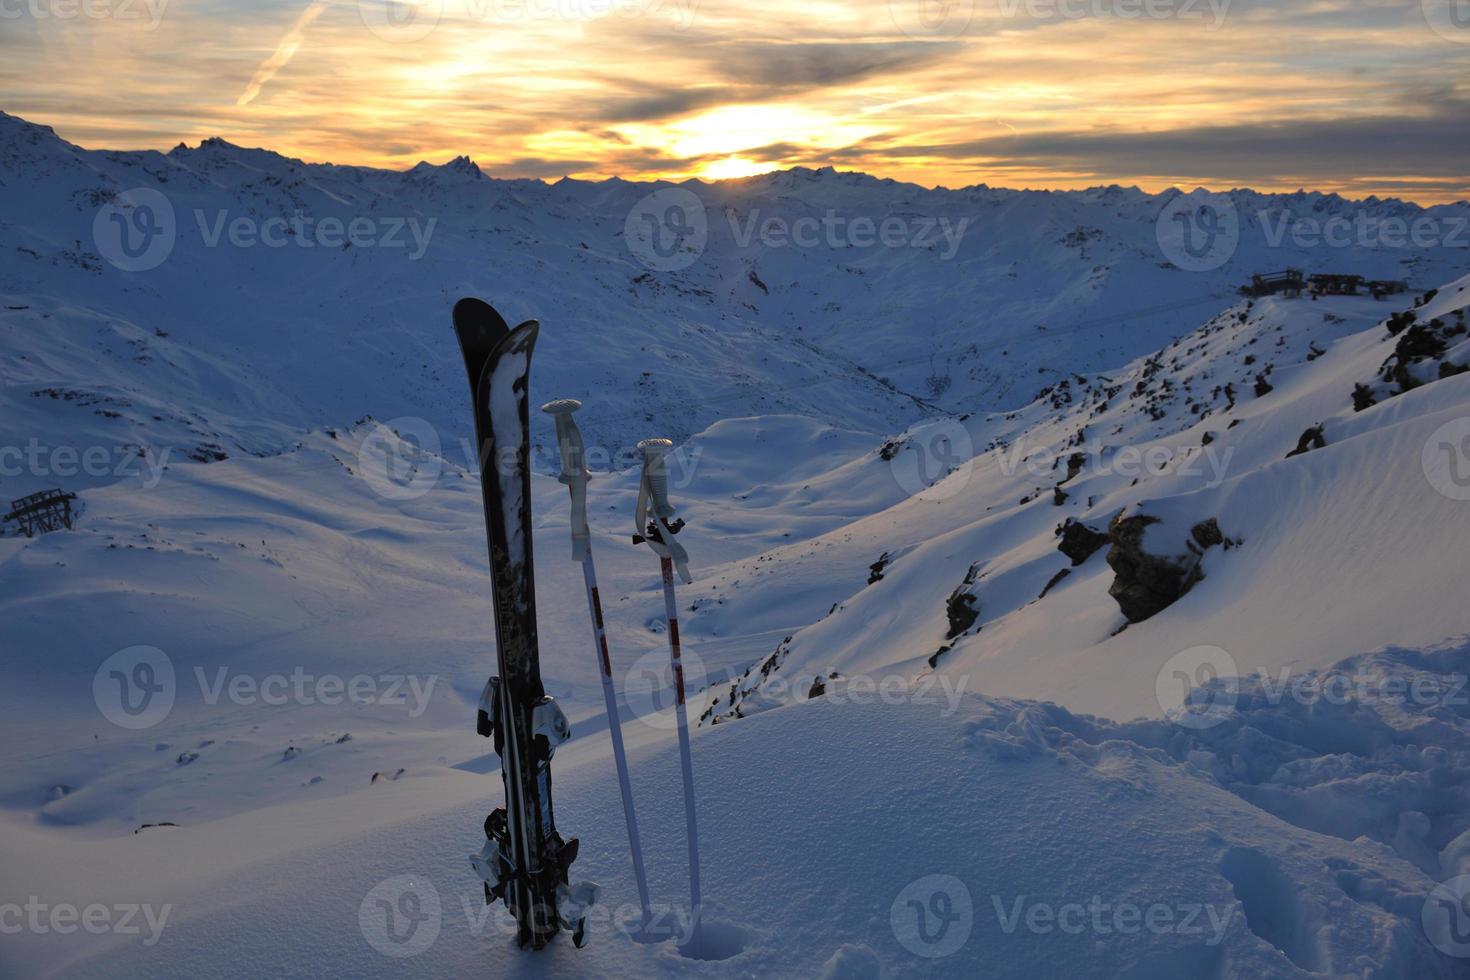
point(1357, 96)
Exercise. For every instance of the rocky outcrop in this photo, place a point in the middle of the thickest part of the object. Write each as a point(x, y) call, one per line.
point(1078, 541)
point(962, 609)
point(1423, 353)
point(1146, 584)
point(1313, 438)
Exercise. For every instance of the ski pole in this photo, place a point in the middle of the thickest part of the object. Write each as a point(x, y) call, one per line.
point(658, 532)
point(574, 474)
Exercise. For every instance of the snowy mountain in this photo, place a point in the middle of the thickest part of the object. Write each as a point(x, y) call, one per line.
point(860, 302)
point(1331, 537)
point(1034, 570)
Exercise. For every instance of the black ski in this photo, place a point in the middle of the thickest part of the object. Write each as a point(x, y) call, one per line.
point(525, 861)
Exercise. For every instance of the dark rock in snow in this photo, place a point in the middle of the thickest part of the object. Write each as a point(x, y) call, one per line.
point(1145, 584)
point(1313, 438)
point(1053, 581)
point(1419, 356)
point(1207, 534)
point(1079, 542)
point(963, 608)
point(1363, 397)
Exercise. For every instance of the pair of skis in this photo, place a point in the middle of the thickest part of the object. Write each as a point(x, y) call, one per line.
point(525, 862)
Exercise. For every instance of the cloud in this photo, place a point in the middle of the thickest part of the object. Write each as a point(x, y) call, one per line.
point(746, 72)
point(801, 66)
point(285, 50)
point(1433, 144)
point(652, 102)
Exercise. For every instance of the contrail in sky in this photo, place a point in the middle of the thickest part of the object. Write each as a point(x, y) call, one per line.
point(283, 53)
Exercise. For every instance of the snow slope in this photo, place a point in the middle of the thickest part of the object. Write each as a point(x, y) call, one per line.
point(1346, 548)
point(874, 495)
point(1184, 877)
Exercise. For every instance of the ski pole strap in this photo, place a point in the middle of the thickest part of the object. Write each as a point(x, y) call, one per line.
point(653, 495)
point(573, 468)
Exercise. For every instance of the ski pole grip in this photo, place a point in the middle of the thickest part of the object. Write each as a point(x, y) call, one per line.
point(656, 473)
point(568, 436)
point(573, 468)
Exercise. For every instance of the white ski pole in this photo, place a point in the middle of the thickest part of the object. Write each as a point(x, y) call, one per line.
point(575, 475)
point(658, 532)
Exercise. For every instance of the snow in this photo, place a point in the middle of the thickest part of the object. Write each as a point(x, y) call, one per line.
point(1009, 793)
point(1279, 756)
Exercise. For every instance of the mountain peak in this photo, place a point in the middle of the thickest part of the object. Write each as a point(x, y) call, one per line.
point(15, 126)
point(461, 167)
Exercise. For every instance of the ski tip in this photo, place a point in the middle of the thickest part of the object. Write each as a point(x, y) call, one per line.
point(477, 316)
point(561, 406)
point(523, 337)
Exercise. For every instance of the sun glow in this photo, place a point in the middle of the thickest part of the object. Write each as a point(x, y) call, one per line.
point(734, 166)
point(732, 129)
